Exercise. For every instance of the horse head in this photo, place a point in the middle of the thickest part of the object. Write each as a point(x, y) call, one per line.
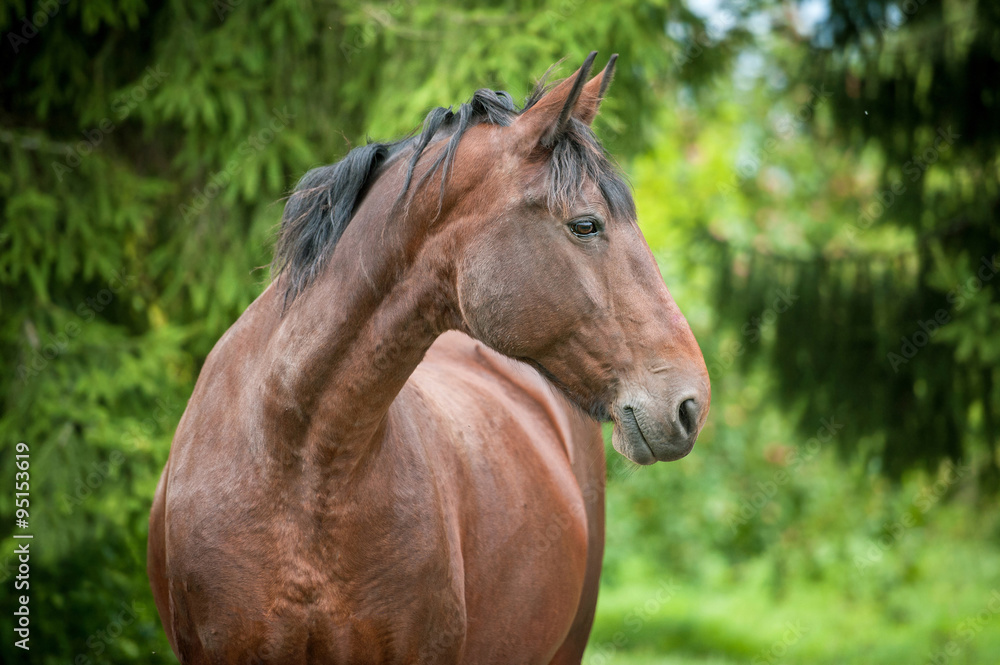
point(552, 269)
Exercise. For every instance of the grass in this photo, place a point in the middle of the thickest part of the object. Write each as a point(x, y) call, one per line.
point(815, 622)
point(821, 575)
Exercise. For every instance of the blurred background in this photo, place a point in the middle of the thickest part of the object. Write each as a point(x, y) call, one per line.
point(818, 179)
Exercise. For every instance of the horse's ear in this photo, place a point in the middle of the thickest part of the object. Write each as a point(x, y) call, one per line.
point(593, 93)
point(549, 117)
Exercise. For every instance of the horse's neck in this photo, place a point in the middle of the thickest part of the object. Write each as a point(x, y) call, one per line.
point(346, 346)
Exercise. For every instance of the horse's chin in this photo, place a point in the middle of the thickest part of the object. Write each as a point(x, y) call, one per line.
point(627, 439)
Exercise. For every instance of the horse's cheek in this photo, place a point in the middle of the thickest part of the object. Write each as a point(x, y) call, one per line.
point(486, 298)
point(507, 305)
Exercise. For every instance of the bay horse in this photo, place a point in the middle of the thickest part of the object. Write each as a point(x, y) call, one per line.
point(393, 455)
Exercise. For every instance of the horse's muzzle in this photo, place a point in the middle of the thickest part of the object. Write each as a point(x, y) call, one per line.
point(643, 437)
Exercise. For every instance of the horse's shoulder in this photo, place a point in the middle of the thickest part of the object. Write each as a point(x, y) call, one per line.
point(459, 360)
point(458, 368)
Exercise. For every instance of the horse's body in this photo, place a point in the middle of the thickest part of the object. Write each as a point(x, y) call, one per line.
point(351, 482)
point(433, 560)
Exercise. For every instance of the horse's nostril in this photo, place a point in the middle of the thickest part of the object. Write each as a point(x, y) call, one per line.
point(688, 416)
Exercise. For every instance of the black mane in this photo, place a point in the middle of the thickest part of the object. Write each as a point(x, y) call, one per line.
point(325, 199)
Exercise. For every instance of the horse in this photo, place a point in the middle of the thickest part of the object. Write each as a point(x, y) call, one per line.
point(394, 455)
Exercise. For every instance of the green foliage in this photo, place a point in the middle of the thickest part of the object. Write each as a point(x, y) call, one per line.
point(884, 225)
point(146, 150)
point(753, 549)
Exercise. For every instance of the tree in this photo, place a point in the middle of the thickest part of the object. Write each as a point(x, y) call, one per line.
point(893, 328)
point(148, 146)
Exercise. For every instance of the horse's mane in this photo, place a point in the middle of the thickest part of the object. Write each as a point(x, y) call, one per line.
point(325, 199)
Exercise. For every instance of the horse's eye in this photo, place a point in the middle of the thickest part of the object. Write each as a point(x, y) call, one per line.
point(583, 228)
